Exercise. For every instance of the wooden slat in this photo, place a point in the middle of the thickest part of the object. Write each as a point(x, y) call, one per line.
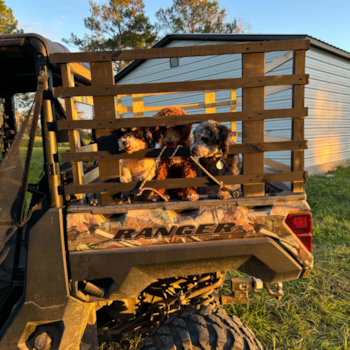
point(71, 114)
point(86, 100)
point(181, 182)
point(269, 138)
point(185, 86)
point(270, 91)
point(298, 123)
point(233, 104)
point(279, 61)
point(113, 155)
point(209, 99)
point(253, 131)
point(187, 51)
point(91, 176)
point(137, 106)
point(92, 147)
point(277, 165)
point(179, 120)
point(120, 106)
point(80, 70)
point(104, 109)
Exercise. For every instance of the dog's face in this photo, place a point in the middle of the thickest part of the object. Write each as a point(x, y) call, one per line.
point(173, 136)
point(132, 140)
point(211, 139)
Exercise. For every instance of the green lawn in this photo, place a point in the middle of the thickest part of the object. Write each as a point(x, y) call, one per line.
point(37, 164)
point(315, 313)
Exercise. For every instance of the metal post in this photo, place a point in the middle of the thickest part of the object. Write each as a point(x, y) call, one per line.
point(50, 145)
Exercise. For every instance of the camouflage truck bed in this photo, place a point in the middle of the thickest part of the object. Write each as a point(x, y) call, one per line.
point(99, 239)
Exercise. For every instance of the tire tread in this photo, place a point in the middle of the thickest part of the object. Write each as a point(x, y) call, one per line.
point(203, 329)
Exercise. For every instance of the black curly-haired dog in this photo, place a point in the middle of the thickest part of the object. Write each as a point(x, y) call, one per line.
point(131, 140)
point(211, 145)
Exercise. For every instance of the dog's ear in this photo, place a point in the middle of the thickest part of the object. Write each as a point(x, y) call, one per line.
point(185, 132)
point(117, 133)
point(148, 135)
point(224, 139)
point(214, 132)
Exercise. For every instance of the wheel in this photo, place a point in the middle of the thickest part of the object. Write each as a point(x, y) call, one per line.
point(203, 329)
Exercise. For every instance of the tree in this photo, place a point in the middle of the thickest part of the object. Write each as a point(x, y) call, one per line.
point(242, 26)
point(8, 23)
point(195, 16)
point(120, 24)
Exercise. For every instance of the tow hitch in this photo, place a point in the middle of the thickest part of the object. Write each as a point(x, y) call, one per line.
point(241, 286)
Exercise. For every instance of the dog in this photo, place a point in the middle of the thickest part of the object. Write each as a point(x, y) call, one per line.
point(132, 140)
point(211, 146)
point(173, 136)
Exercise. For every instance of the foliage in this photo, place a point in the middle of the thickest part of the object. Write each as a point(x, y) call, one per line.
point(23, 103)
point(197, 16)
point(242, 27)
point(8, 23)
point(120, 24)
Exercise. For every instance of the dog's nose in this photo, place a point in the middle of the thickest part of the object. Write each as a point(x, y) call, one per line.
point(125, 143)
point(170, 143)
point(193, 151)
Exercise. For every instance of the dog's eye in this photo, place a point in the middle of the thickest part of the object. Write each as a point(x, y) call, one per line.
point(205, 139)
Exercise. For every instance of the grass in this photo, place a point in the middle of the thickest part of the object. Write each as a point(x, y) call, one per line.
point(37, 161)
point(37, 164)
point(315, 312)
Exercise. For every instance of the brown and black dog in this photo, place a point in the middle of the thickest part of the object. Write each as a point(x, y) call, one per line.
point(177, 167)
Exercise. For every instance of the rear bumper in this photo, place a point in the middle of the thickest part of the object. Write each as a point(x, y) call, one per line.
point(133, 269)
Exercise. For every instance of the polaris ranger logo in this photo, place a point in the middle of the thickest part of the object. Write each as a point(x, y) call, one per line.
point(179, 231)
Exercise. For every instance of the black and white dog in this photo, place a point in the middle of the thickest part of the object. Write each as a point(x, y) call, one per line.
point(211, 145)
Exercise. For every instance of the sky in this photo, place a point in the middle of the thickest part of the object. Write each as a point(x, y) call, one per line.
point(325, 20)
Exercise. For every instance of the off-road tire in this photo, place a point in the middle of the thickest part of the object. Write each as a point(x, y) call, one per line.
point(203, 329)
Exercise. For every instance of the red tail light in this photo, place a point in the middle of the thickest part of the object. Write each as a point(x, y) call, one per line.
point(301, 225)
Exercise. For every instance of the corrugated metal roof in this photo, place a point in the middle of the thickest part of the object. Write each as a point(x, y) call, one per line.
point(236, 37)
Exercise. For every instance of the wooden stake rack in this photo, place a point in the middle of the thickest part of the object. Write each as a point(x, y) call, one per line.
point(108, 115)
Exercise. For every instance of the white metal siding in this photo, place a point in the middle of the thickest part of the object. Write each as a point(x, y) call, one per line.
point(328, 96)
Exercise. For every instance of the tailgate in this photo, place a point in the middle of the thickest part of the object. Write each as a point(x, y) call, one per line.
point(147, 244)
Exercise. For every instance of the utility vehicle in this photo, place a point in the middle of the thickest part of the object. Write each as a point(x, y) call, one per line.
point(80, 263)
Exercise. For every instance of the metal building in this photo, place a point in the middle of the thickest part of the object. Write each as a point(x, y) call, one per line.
point(327, 96)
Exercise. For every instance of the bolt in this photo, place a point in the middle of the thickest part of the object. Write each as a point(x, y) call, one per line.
point(43, 342)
